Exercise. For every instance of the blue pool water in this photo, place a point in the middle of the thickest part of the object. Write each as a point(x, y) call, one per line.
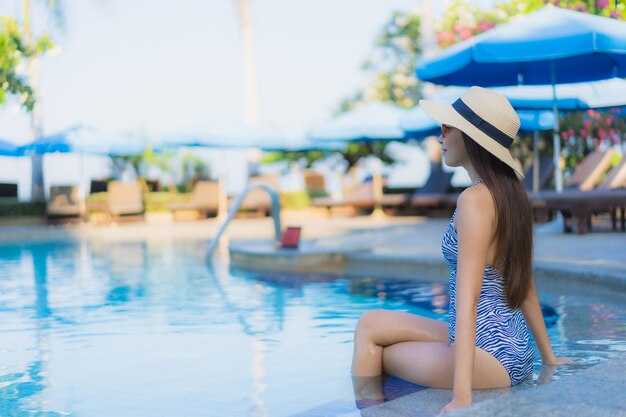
point(96, 329)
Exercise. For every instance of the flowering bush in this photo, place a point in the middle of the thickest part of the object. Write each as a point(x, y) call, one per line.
point(462, 20)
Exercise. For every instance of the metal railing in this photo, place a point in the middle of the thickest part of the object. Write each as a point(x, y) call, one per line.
point(274, 211)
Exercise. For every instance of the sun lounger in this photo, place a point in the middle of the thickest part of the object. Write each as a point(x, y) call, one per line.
point(314, 183)
point(204, 199)
point(8, 190)
point(435, 195)
point(97, 186)
point(590, 170)
point(64, 204)
point(546, 170)
point(258, 200)
point(579, 206)
point(125, 200)
point(541, 213)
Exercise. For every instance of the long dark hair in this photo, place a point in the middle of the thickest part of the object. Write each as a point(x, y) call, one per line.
point(514, 227)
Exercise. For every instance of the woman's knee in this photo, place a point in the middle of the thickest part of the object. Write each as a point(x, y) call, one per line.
point(368, 322)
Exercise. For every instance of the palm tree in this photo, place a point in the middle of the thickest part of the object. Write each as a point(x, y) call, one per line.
point(36, 124)
point(251, 94)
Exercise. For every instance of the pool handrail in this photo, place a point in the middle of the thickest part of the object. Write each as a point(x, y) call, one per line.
point(274, 212)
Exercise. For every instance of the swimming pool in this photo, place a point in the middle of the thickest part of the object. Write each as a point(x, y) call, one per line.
point(146, 328)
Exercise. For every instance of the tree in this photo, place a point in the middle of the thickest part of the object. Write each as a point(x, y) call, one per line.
point(463, 20)
point(15, 50)
point(391, 65)
point(581, 133)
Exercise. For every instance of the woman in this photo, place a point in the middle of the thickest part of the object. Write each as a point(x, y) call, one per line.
point(488, 246)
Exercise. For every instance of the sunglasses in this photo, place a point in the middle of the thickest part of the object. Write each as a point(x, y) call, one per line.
point(444, 130)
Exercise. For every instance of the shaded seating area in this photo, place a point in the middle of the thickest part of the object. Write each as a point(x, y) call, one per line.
point(579, 205)
point(434, 194)
point(64, 205)
point(204, 199)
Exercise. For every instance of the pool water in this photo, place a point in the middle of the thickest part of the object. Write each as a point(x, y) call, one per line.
point(96, 329)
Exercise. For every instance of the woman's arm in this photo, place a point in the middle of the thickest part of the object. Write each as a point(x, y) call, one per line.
point(475, 221)
point(534, 319)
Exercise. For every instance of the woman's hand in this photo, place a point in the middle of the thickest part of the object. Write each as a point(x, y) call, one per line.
point(554, 361)
point(455, 404)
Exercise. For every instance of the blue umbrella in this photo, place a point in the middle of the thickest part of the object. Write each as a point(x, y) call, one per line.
point(88, 139)
point(9, 149)
point(570, 97)
point(371, 122)
point(242, 137)
point(550, 46)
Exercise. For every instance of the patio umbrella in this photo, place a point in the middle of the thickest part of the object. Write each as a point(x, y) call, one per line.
point(242, 137)
point(9, 149)
point(85, 139)
point(371, 122)
point(550, 46)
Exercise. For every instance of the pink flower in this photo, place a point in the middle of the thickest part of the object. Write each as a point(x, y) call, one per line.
point(601, 134)
point(587, 124)
point(465, 34)
point(583, 133)
point(609, 120)
point(615, 14)
point(603, 3)
point(564, 135)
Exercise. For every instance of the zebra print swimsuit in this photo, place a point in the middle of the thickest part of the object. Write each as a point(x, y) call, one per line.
point(500, 331)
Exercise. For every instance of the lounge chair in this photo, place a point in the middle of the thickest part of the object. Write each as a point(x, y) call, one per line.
point(546, 170)
point(204, 199)
point(314, 182)
point(64, 204)
point(590, 170)
point(125, 200)
point(541, 213)
point(98, 186)
point(259, 201)
point(579, 206)
point(8, 190)
point(435, 195)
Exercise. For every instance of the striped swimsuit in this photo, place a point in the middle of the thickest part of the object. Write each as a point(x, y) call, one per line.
point(499, 330)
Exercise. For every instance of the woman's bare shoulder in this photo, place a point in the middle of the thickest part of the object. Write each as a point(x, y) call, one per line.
point(476, 205)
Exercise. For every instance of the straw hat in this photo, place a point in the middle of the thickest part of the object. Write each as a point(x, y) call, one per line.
point(485, 116)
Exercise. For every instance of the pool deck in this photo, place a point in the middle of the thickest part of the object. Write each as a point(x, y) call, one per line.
point(408, 246)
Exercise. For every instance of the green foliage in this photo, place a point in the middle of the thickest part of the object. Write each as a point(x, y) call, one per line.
point(294, 156)
point(391, 65)
point(357, 150)
point(462, 20)
point(15, 51)
point(581, 133)
point(11, 207)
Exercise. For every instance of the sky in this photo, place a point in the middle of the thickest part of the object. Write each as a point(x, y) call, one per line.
point(163, 66)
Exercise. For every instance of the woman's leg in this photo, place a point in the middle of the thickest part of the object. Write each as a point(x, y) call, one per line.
point(432, 364)
point(380, 328)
